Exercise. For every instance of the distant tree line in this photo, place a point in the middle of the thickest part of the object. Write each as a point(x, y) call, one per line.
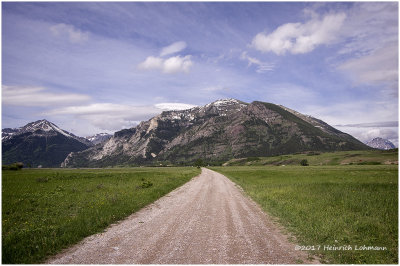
point(13, 166)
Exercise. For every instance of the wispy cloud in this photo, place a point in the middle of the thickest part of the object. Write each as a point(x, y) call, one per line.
point(355, 112)
point(378, 67)
point(368, 131)
point(300, 38)
point(373, 124)
point(174, 106)
point(173, 48)
point(369, 27)
point(38, 96)
point(69, 32)
point(334, 53)
point(262, 67)
point(365, 134)
point(354, 117)
point(110, 116)
point(370, 46)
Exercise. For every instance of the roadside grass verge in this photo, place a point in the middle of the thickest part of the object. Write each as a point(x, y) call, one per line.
point(46, 210)
point(330, 206)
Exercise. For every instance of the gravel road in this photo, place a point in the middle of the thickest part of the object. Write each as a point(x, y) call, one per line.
point(206, 221)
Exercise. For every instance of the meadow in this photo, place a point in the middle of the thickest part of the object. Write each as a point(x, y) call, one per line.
point(330, 209)
point(365, 157)
point(47, 210)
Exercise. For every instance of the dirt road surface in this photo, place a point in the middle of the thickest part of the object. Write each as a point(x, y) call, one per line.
point(206, 221)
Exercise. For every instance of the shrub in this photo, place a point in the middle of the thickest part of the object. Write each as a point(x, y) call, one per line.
point(369, 163)
point(146, 184)
point(312, 153)
point(304, 162)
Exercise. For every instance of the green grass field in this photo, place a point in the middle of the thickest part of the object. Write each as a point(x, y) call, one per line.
point(46, 210)
point(342, 205)
point(368, 157)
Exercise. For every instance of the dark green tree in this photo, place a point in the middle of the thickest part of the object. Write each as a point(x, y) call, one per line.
point(304, 162)
point(199, 163)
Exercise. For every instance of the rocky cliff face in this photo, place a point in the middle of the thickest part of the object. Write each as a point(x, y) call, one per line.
point(218, 131)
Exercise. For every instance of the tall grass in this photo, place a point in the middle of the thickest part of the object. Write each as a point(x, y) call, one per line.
point(330, 206)
point(44, 211)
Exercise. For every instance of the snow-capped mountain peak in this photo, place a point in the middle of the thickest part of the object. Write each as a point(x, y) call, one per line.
point(40, 143)
point(381, 144)
point(225, 106)
point(45, 126)
point(224, 102)
point(99, 138)
point(40, 128)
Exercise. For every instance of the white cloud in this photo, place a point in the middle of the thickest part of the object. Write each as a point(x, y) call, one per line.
point(262, 67)
point(173, 48)
point(70, 32)
point(177, 64)
point(171, 65)
point(38, 96)
point(152, 62)
point(299, 38)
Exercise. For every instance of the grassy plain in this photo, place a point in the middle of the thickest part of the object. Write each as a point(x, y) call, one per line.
point(46, 210)
point(341, 205)
point(366, 157)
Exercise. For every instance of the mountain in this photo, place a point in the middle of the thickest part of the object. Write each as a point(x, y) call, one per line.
point(218, 131)
point(99, 138)
point(381, 144)
point(40, 143)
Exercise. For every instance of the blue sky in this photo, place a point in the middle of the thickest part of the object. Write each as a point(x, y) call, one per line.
point(100, 67)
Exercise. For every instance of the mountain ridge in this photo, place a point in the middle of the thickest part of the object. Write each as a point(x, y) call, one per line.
point(217, 131)
point(39, 143)
point(42, 125)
